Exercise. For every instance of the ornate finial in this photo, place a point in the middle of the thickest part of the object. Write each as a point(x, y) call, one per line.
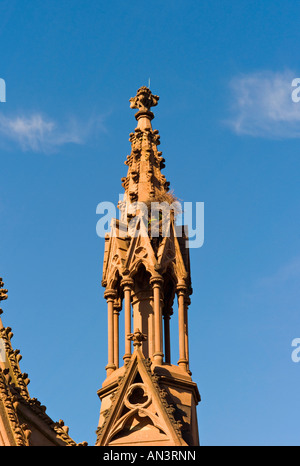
point(143, 101)
point(137, 337)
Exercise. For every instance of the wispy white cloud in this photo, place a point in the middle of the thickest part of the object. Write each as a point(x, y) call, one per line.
point(287, 273)
point(280, 289)
point(271, 302)
point(39, 133)
point(263, 105)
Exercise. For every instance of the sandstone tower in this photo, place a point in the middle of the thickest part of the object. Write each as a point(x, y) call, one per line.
point(147, 400)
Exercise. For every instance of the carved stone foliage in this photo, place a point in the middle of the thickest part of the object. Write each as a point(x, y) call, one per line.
point(14, 373)
point(3, 293)
point(144, 100)
point(19, 436)
point(137, 337)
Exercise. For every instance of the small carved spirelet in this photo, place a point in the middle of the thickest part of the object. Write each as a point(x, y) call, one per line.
point(143, 101)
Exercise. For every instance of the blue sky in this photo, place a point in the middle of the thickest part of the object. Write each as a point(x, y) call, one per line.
point(230, 136)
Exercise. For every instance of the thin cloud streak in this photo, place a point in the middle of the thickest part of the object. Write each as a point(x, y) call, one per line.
point(287, 273)
point(38, 133)
point(278, 292)
point(263, 105)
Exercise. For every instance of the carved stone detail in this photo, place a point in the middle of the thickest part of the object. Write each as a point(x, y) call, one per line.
point(137, 337)
point(143, 100)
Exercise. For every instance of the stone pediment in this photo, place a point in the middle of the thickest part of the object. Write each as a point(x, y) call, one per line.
point(137, 411)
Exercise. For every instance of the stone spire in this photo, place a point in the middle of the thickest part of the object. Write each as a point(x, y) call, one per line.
point(144, 182)
point(144, 270)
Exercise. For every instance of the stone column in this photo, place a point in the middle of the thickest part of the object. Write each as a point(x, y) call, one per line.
point(116, 335)
point(187, 302)
point(151, 330)
point(167, 318)
point(127, 288)
point(181, 293)
point(110, 296)
point(158, 355)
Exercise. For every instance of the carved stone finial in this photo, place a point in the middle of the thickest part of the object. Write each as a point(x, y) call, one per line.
point(137, 337)
point(143, 101)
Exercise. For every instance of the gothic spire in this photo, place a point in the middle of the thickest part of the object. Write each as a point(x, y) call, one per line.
point(144, 182)
point(144, 268)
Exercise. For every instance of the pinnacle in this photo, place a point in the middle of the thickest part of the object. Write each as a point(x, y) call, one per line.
point(144, 182)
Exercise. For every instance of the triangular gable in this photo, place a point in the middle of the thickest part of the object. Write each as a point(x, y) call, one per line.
point(140, 250)
point(166, 252)
point(139, 413)
point(170, 253)
point(115, 252)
